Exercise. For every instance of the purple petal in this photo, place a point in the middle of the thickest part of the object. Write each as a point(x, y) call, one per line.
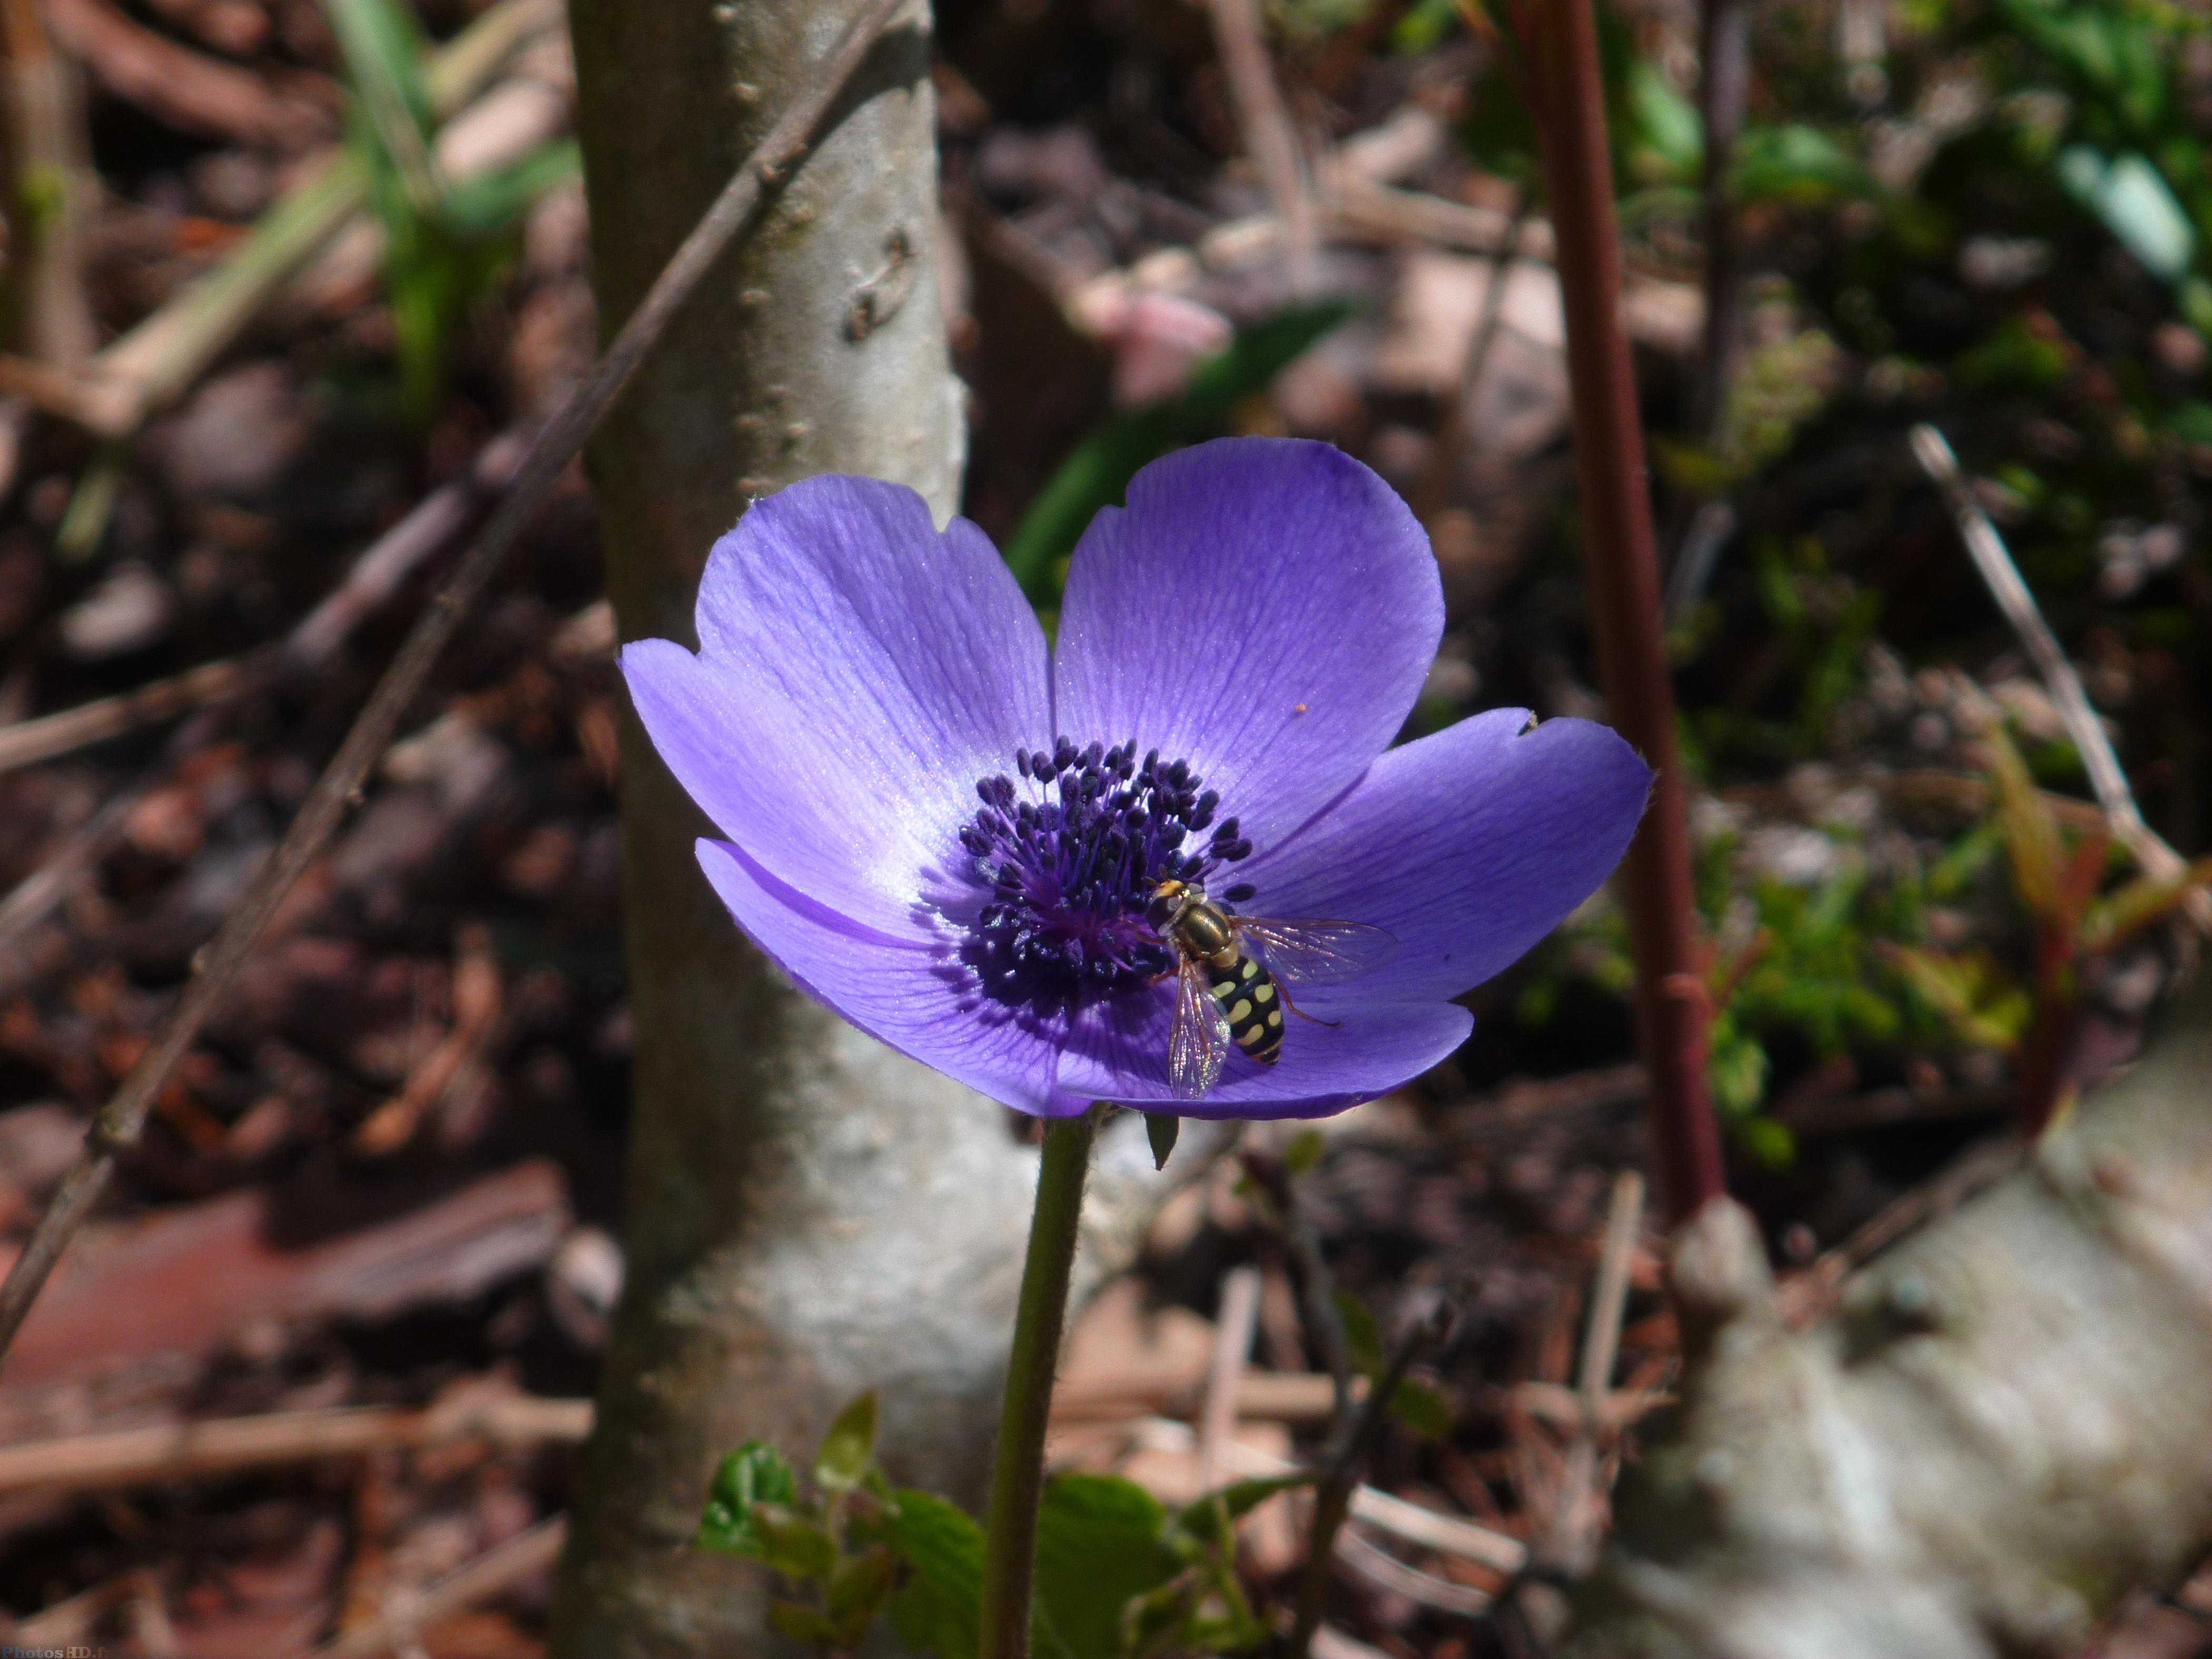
point(897, 991)
point(1265, 609)
point(858, 672)
point(1118, 1052)
point(1470, 846)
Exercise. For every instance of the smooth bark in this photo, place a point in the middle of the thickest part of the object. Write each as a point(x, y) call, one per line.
point(810, 1213)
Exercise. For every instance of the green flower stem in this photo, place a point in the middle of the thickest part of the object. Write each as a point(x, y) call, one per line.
point(1017, 1470)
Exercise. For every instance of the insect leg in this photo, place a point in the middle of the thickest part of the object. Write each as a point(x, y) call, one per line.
point(1284, 991)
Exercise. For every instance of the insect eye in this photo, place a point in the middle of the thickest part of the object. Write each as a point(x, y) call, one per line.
point(1160, 912)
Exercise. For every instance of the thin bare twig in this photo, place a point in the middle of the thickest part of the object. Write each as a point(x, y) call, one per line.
point(26, 743)
point(437, 521)
point(186, 1451)
point(371, 579)
point(1232, 1345)
point(183, 88)
point(1695, 555)
point(1263, 1397)
point(34, 897)
point(1357, 210)
point(1447, 1535)
point(1433, 492)
point(124, 1118)
point(494, 1571)
point(1553, 1402)
point(1268, 134)
point(1574, 1531)
point(2108, 781)
point(160, 357)
point(1339, 1477)
point(1330, 1642)
point(49, 186)
point(1387, 1572)
point(1316, 1288)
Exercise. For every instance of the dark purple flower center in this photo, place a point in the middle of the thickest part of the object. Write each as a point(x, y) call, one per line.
point(1071, 854)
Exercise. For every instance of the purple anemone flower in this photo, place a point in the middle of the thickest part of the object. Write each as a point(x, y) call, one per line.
point(949, 832)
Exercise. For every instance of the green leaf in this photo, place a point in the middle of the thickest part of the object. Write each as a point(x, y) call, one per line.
point(1204, 1518)
point(2195, 301)
point(754, 1474)
point(849, 1448)
point(2191, 420)
point(2029, 826)
point(1423, 1410)
point(1770, 1142)
point(858, 1589)
point(794, 1544)
point(1101, 1543)
point(2018, 356)
point(1097, 474)
point(1235, 1631)
point(2143, 901)
point(383, 48)
point(1152, 1622)
point(2136, 204)
point(940, 1610)
point(2115, 61)
point(1362, 1335)
point(1161, 1129)
point(1737, 1067)
point(486, 204)
point(1664, 138)
point(1419, 1408)
point(801, 1623)
point(1798, 165)
point(1304, 1154)
point(1970, 990)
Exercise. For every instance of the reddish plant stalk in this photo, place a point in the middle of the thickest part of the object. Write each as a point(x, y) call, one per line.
point(1673, 1010)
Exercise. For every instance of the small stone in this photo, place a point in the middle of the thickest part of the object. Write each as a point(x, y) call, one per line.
point(129, 611)
point(583, 1283)
point(1997, 264)
point(455, 756)
point(1012, 164)
point(1911, 1301)
point(37, 1144)
point(2178, 347)
point(1453, 680)
point(232, 184)
point(236, 437)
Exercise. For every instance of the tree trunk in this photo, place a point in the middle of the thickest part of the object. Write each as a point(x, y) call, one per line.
point(811, 1214)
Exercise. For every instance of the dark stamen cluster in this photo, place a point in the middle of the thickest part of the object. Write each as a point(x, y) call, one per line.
point(1071, 854)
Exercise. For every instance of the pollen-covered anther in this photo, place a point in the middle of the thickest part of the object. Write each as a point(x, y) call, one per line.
point(1070, 855)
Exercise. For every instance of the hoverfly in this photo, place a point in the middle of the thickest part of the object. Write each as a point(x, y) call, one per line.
point(1224, 992)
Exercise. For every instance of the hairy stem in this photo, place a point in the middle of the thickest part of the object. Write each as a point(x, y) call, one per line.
point(1671, 1005)
point(1018, 1470)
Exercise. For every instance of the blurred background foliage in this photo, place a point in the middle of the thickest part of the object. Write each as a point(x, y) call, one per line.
point(1990, 215)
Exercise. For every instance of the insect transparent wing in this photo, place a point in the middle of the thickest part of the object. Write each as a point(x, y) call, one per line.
point(1199, 1041)
point(1316, 952)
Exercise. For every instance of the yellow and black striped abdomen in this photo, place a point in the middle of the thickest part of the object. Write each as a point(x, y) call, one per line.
point(1248, 995)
